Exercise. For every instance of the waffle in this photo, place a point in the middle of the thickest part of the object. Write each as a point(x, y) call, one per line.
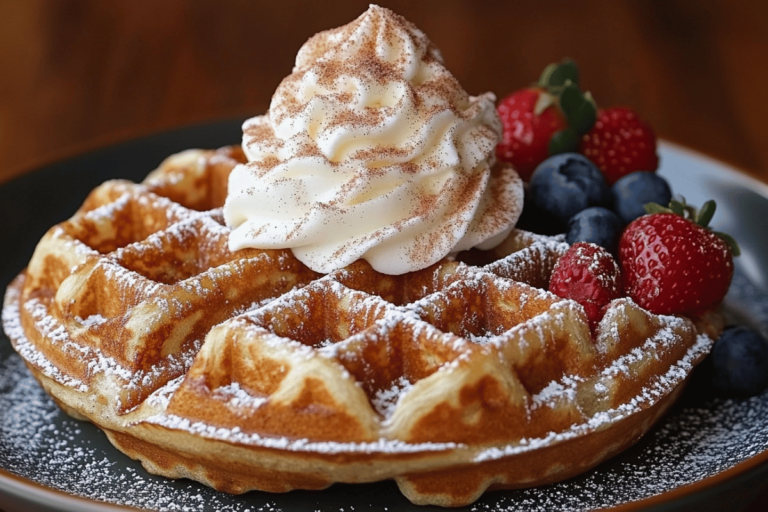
point(246, 370)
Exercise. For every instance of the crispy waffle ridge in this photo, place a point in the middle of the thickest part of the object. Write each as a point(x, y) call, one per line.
point(247, 370)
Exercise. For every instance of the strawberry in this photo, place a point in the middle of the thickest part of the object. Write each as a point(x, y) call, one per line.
point(620, 143)
point(672, 263)
point(527, 132)
point(588, 274)
point(544, 120)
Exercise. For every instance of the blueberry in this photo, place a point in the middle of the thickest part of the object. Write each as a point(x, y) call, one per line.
point(631, 192)
point(534, 220)
point(597, 225)
point(563, 185)
point(739, 363)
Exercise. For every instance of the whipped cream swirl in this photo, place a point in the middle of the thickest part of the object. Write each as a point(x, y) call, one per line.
point(372, 149)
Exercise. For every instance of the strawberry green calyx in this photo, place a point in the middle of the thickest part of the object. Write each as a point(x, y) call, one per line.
point(701, 217)
point(561, 83)
point(564, 141)
point(558, 74)
point(579, 108)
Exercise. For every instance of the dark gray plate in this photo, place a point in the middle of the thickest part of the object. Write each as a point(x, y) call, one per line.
point(707, 453)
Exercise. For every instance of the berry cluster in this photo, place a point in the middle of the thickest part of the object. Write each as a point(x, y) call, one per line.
point(590, 173)
point(567, 193)
point(554, 116)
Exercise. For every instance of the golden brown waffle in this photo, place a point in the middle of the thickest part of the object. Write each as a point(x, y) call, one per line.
point(247, 370)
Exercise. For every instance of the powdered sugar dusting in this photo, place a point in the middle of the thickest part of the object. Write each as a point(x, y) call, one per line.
point(162, 396)
point(98, 363)
point(92, 320)
point(39, 442)
point(647, 396)
point(386, 400)
point(235, 435)
point(237, 398)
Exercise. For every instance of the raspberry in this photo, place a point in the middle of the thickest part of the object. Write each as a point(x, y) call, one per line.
point(588, 274)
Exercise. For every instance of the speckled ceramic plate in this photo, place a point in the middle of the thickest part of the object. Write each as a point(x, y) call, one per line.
point(708, 453)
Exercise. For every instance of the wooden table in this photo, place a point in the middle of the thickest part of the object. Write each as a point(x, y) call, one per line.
point(78, 74)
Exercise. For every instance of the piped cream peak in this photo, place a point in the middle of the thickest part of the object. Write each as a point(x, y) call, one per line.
point(372, 149)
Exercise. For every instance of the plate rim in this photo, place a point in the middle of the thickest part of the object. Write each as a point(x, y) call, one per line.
point(24, 489)
point(36, 493)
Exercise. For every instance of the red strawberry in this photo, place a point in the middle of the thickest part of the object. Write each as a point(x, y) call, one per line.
point(527, 132)
point(546, 119)
point(620, 143)
point(675, 265)
point(588, 274)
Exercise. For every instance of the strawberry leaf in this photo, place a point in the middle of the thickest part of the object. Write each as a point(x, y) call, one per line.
point(732, 244)
point(564, 72)
point(546, 75)
point(706, 214)
point(578, 108)
point(656, 208)
point(564, 141)
point(702, 219)
point(556, 75)
point(677, 208)
point(570, 98)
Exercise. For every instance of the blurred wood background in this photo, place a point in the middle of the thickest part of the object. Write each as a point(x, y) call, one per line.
point(78, 74)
